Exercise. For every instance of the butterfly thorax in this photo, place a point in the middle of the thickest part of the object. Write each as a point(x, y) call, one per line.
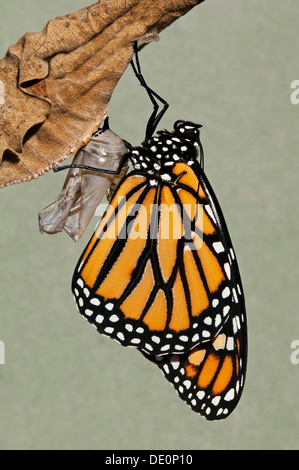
point(158, 155)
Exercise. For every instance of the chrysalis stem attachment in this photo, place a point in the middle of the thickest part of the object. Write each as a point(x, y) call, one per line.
point(123, 159)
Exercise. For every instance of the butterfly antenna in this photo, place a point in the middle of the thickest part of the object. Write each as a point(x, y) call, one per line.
point(156, 116)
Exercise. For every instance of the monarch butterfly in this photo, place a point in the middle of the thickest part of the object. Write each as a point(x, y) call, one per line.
point(160, 273)
point(83, 189)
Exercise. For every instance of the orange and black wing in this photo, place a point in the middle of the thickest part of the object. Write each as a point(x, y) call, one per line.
point(160, 274)
point(210, 377)
point(161, 291)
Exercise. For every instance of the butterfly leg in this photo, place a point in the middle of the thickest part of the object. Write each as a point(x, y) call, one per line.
point(123, 160)
point(155, 117)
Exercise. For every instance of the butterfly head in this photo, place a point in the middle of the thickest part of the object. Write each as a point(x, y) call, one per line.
point(187, 131)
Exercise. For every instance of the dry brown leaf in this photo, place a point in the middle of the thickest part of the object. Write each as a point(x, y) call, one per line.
point(55, 86)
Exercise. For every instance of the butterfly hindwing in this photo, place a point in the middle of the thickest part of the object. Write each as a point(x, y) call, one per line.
point(210, 378)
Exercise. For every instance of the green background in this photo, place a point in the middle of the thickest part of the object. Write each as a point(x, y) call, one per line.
point(227, 64)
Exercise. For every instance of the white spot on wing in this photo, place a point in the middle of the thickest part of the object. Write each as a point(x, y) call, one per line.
point(215, 400)
point(156, 339)
point(226, 309)
point(226, 292)
point(210, 212)
point(218, 247)
point(86, 292)
point(174, 361)
point(109, 329)
point(114, 318)
point(227, 270)
point(230, 395)
point(109, 306)
point(187, 384)
point(184, 338)
point(135, 340)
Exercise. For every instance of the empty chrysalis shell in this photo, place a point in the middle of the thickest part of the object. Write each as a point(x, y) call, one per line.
point(83, 190)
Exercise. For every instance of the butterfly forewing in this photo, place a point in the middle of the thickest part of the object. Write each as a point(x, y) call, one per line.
point(155, 274)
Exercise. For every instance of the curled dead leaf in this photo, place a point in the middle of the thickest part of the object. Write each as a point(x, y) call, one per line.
point(55, 86)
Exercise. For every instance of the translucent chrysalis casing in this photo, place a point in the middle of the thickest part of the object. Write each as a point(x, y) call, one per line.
point(83, 190)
